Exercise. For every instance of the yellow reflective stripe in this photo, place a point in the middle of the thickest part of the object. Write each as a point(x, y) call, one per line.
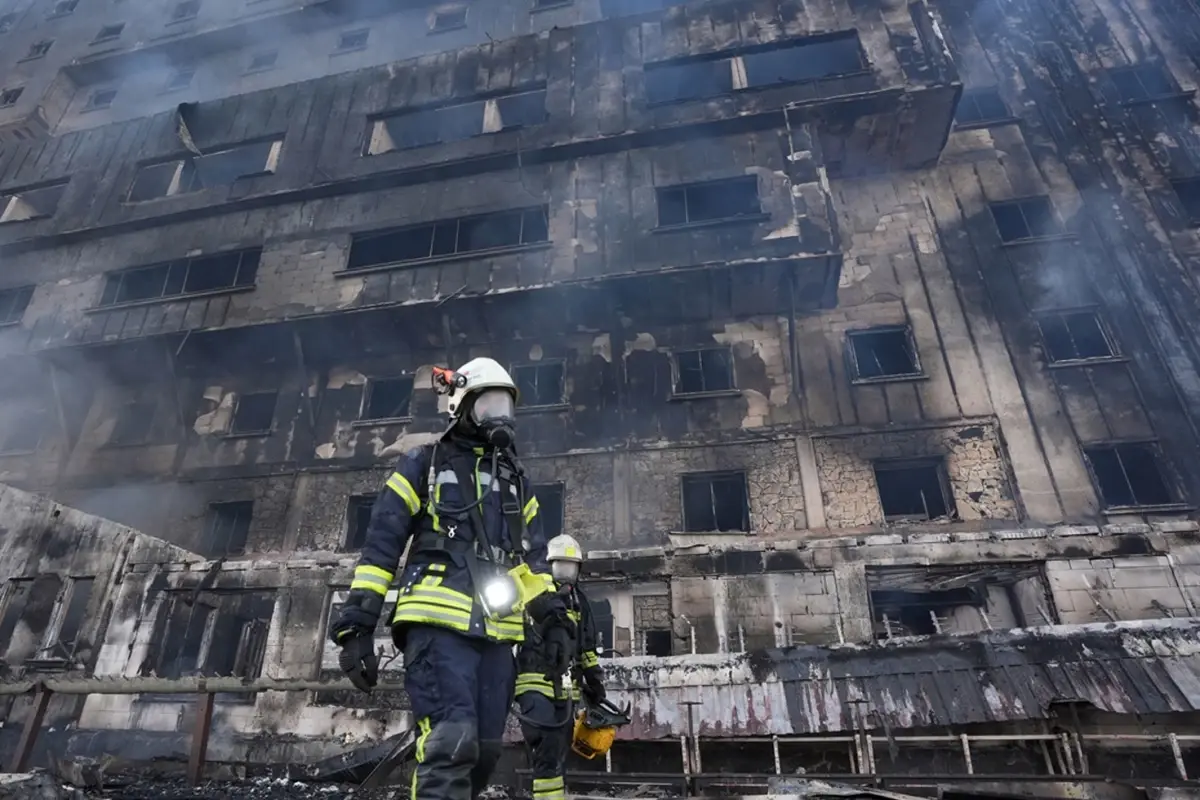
point(373, 578)
point(589, 659)
point(438, 595)
point(425, 728)
point(431, 507)
point(509, 629)
point(531, 510)
point(403, 487)
point(537, 683)
point(430, 615)
point(574, 616)
point(542, 784)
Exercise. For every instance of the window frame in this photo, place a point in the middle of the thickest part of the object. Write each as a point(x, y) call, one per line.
point(19, 194)
point(435, 28)
point(129, 402)
point(117, 27)
point(368, 392)
point(234, 433)
point(1019, 203)
point(1139, 71)
point(685, 188)
point(1191, 216)
point(342, 47)
point(910, 341)
point(252, 69)
point(63, 8)
point(16, 92)
point(187, 161)
point(1161, 465)
point(172, 86)
point(561, 363)
point(352, 506)
point(13, 298)
point(251, 265)
point(91, 105)
point(194, 5)
point(51, 638)
point(212, 518)
point(709, 476)
point(937, 463)
point(33, 56)
point(1042, 317)
point(983, 121)
point(677, 372)
point(561, 488)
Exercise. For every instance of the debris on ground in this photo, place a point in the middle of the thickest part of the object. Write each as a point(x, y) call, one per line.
point(35, 785)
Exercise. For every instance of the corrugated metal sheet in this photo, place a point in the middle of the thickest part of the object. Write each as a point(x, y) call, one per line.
point(1125, 668)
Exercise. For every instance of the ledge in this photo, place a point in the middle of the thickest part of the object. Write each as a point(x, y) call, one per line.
point(173, 299)
point(1087, 362)
point(1159, 98)
point(1162, 508)
point(381, 422)
point(913, 378)
point(986, 123)
point(425, 262)
point(712, 223)
point(553, 408)
point(1036, 240)
point(679, 397)
point(247, 435)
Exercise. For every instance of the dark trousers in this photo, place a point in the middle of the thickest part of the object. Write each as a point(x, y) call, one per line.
point(548, 746)
point(461, 690)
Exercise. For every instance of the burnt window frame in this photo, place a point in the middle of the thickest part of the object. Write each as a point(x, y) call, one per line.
point(1190, 206)
point(1140, 72)
point(556, 487)
point(188, 178)
point(14, 303)
point(134, 406)
point(937, 463)
point(249, 433)
point(355, 504)
point(36, 53)
point(48, 649)
point(710, 477)
point(977, 97)
point(368, 395)
point(11, 95)
point(433, 225)
point(9, 197)
point(343, 47)
point(1154, 450)
point(561, 363)
point(93, 104)
point(677, 373)
point(1061, 315)
point(241, 521)
point(733, 60)
point(63, 8)
point(249, 260)
point(716, 183)
point(371, 140)
point(1021, 203)
point(434, 27)
point(108, 33)
point(910, 341)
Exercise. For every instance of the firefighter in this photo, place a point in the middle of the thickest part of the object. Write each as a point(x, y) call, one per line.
point(476, 557)
point(547, 708)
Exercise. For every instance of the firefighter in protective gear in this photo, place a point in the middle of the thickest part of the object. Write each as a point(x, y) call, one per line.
point(464, 509)
point(546, 706)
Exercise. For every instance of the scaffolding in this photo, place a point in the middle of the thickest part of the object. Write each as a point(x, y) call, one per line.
point(1064, 754)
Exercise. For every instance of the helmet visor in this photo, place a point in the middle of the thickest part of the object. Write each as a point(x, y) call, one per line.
point(564, 571)
point(492, 404)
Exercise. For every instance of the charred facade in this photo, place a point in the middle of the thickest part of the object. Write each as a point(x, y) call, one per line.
point(834, 321)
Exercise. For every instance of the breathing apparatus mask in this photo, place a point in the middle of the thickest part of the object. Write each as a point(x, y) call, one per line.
point(493, 414)
point(564, 571)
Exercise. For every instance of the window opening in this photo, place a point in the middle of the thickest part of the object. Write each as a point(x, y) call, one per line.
point(228, 527)
point(715, 502)
point(913, 490)
point(980, 106)
point(480, 233)
point(255, 413)
point(1075, 336)
point(883, 353)
point(706, 202)
point(358, 520)
point(1030, 218)
point(388, 398)
point(551, 507)
point(709, 370)
point(539, 384)
point(183, 277)
point(1128, 475)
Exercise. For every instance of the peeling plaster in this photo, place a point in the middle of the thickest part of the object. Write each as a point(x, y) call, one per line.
point(340, 377)
point(217, 420)
point(642, 341)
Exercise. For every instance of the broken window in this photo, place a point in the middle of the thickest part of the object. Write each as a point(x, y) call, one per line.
point(387, 398)
point(709, 370)
point(1075, 336)
point(64, 7)
point(715, 502)
point(214, 633)
point(134, 424)
point(1188, 193)
point(914, 490)
point(263, 61)
point(551, 509)
point(109, 32)
point(39, 49)
point(227, 528)
point(179, 79)
point(885, 352)
point(452, 123)
point(9, 97)
point(1030, 218)
point(923, 601)
point(539, 384)
point(449, 19)
point(358, 520)
point(353, 40)
point(795, 61)
point(188, 9)
point(482, 233)
point(218, 272)
point(63, 636)
point(38, 202)
point(656, 643)
point(604, 623)
point(1141, 82)
point(709, 201)
point(255, 413)
point(13, 302)
point(14, 600)
point(101, 98)
point(217, 168)
point(980, 106)
point(1128, 475)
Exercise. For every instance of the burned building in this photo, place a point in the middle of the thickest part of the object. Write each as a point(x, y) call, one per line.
point(856, 341)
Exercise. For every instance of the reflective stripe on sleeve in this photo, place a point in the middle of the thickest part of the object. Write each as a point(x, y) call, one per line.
point(401, 486)
point(531, 510)
point(373, 578)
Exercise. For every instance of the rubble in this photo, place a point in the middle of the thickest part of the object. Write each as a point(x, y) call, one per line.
point(140, 787)
point(35, 786)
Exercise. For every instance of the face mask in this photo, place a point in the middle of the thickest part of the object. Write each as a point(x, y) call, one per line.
point(492, 413)
point(564, 571)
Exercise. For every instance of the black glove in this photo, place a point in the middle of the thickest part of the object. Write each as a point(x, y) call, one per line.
point(593, 686)
point(558, 646)
point(358, 660)
point(547, 606)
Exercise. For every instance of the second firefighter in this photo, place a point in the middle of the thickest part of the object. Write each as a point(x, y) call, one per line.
point(547, 708)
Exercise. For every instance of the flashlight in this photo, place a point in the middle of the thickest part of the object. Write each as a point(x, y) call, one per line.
point(499, 597)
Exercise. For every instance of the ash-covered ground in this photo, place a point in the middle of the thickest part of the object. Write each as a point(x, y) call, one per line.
point(177, 788)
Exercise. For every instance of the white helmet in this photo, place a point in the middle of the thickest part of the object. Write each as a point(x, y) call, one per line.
point(488, 391)
point(475, 376)
point(565, 557)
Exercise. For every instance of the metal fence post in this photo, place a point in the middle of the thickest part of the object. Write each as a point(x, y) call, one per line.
point(200, 730)
point(29, 733)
